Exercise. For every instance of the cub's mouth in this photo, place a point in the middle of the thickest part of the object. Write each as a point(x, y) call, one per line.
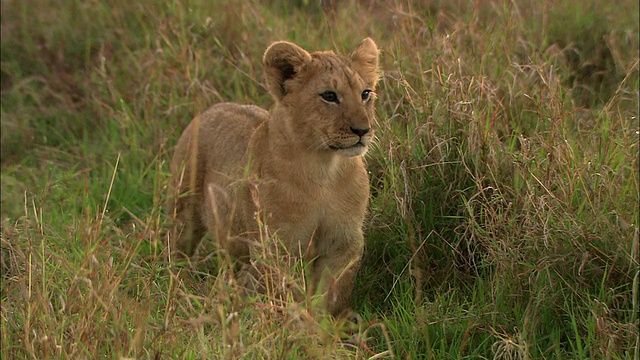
point(356, 149)
point(357, 145)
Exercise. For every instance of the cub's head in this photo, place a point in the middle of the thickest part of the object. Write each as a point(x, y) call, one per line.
point(324, 100)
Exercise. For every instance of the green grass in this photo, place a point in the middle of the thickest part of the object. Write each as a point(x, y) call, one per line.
point(504, 212)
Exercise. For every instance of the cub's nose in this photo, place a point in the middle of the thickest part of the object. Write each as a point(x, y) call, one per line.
point(359, 131)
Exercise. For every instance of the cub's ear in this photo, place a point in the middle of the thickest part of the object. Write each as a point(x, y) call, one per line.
point(282, 60)
point(364, 60)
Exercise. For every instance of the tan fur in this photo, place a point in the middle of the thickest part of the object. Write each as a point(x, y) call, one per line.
point(298, 168)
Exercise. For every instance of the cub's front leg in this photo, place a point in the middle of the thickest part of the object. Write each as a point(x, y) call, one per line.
point(336, 266)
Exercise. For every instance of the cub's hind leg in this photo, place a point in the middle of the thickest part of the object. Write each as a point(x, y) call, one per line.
point(188, 229)
point(184, 206)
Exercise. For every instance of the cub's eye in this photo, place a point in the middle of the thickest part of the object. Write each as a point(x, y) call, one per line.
point(330, 96)
point(366, 95)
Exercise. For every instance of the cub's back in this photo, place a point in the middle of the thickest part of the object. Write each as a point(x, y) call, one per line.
point(220, 135)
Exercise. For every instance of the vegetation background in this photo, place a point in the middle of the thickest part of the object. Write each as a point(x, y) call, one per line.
point(504, 212)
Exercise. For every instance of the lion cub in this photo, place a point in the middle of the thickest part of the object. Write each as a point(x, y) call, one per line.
point(298, 169)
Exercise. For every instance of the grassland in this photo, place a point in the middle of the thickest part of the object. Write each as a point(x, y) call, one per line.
point(504, 214)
